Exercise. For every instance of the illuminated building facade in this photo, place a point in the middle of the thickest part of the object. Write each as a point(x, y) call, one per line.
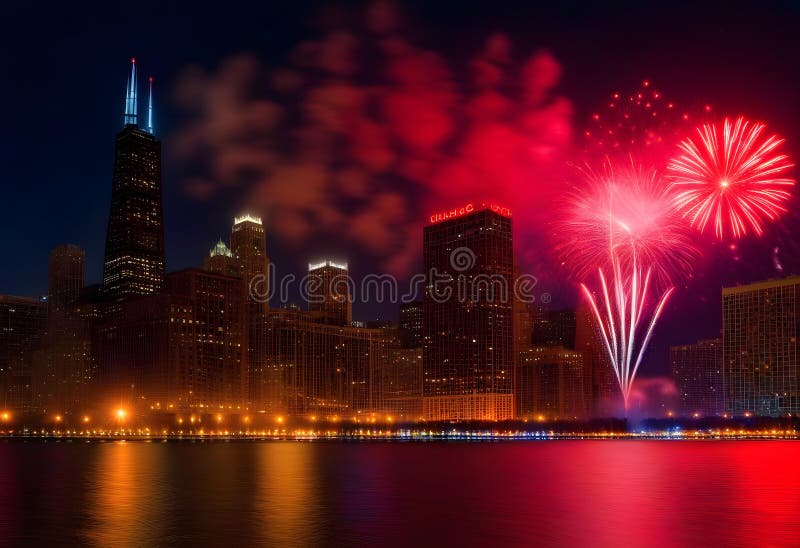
point(182, 347)
point(22, 325)
point(402, 384)
point(249, 249)
point(134, 252)
point(551, 384)
point(321, 369)
point(468, 333)
point(410, 324)
point(761, 365)
point(329, 295)
point(64, 369)
point(697, 370)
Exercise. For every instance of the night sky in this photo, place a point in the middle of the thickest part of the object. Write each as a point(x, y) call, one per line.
point(277, 108)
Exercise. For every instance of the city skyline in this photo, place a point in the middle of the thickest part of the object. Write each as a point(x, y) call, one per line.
point(586, 92)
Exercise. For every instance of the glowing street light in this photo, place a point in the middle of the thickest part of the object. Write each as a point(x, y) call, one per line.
point(5, 416)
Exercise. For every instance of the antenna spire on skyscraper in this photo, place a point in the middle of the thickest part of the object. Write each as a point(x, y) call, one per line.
point(130, 96)
point(150, 108)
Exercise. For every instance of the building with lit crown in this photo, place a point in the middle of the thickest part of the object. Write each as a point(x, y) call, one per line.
point(329, 295)
point(468, 320)
point(133, 262)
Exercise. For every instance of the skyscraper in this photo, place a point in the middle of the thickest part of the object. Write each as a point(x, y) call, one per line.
point(134, 253)
point(62, 373)
point(65, 278)
point(760, 330)
point(329, 298)
point(249, 248)
point(410, 324)
point(468, 334)
point(22, 325)
point(697, 370)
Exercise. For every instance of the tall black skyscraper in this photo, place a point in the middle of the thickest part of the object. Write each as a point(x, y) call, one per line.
point(134, 254)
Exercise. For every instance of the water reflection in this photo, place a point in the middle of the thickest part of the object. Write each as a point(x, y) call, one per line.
point(612, 493)
point(127, 500)
point(286, 502)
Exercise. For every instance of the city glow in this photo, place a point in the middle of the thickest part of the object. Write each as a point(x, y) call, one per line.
point(731, 176)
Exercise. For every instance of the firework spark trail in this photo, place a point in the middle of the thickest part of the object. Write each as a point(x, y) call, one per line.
point(624, 340)
point(623, 229)
point(731, 176)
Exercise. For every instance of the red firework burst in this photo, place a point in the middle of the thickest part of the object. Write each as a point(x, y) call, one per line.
point(731, 175)
point(625, 214)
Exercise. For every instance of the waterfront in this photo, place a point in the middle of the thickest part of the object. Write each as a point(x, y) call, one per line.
point(630, 493)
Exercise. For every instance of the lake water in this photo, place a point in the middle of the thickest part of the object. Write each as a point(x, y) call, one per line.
point(575, 493)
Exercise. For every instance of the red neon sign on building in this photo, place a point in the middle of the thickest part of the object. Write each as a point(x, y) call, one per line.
point(467, 209)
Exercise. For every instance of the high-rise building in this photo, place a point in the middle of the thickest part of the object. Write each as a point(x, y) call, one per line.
point(410, 324)
point(22, 325)
point(697, 370)
point(761, 364)
point(220, 259)
point(402, 384)
point(468, 318)
point(181, 348)
point(320, 369)
point(65, 278)
point(329, 295)
point(249, 248)
point(134, 254)
point(553, 327)
point(550, 384)
point(63, 370)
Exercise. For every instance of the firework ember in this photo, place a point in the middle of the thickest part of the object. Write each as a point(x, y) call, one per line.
point(731, 176)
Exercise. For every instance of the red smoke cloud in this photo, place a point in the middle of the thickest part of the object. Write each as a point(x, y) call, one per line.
point(361, 134)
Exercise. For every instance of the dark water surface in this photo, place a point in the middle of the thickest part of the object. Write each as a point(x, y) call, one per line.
point(577, 493)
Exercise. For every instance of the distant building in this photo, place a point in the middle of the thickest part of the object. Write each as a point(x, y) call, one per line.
point(468, 319)
point(761, 364)
point(220, 259)
point(320, 369)
point(329, 294)
point(402, 384)
point(179, 349)
point(551, 384)
point(697, 370)
point(249, 248)
point(133, 263)
point(410, 324)
point(22, 326)
point(64, 369)
point(553, 327)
